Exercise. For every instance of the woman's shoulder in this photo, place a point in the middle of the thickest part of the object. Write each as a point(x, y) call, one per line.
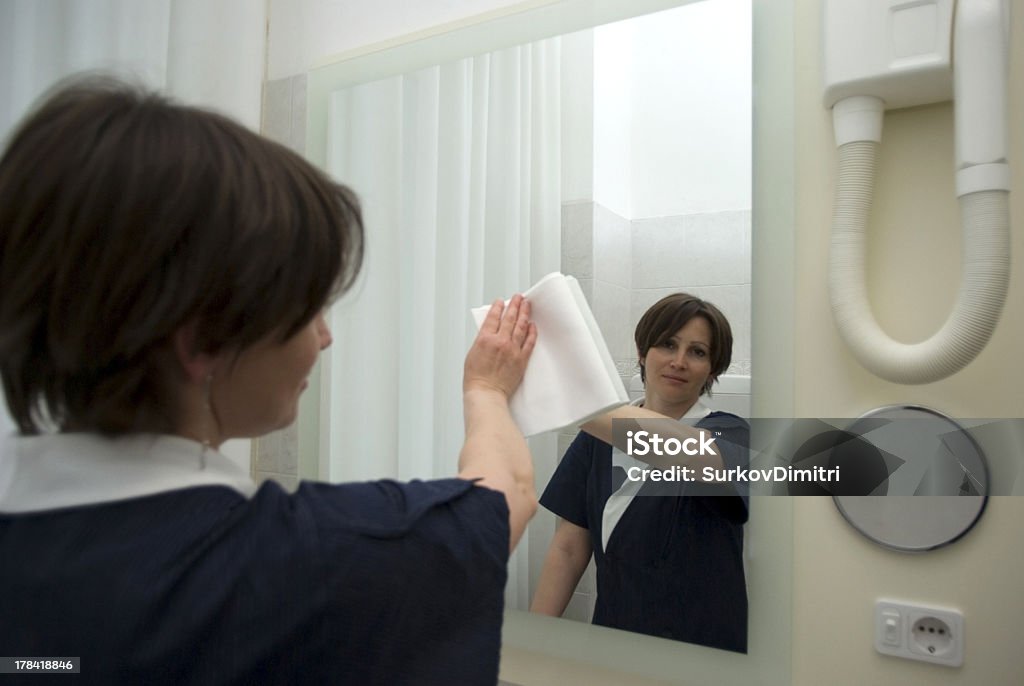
point(585, 452)
point(387, 507)
point(583, 442)
point(721, 418)
point(396, 555)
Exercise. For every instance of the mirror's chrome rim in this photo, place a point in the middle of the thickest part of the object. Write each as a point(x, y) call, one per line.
point(884, 412)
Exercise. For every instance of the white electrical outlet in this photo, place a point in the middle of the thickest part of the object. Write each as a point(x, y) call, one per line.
point(919, 632)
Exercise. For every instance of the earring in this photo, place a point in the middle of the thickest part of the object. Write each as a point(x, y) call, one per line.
point(208, 407)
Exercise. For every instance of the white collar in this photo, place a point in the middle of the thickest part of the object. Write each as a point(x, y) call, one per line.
point(620, 500)
point(67, 470)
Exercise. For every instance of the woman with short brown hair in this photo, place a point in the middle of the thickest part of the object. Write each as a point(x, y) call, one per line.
point(669, 555)
point(163, 276)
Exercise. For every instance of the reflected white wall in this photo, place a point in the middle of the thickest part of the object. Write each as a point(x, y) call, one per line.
point(672, 123)
point(657, 178)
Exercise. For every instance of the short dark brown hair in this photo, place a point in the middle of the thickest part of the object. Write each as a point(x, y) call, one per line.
point(665, 317)
point(125, 216)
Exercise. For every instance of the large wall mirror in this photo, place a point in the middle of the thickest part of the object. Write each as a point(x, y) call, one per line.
point(608, 140)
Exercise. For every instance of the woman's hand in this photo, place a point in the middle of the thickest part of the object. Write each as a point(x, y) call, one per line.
point(497, 360)
point(495, 453)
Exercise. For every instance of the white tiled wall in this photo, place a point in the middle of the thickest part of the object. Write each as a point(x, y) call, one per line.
point(612, 247)
point(709, 249)
point(625, 266)
point(578, 240)
point(707, 255)
point(284, 111)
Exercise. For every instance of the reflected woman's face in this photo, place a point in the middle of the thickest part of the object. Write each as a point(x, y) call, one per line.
point(677, 370)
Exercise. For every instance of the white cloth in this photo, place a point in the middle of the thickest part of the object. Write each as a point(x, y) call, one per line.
point(621, 499)
point(54, 471)
point(571, 376)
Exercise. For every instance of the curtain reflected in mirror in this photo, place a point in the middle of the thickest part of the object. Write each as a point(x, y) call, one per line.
point(620, 155)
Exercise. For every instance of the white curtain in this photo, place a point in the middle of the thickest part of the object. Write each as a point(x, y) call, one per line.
point(201, 52)
point(458, 169)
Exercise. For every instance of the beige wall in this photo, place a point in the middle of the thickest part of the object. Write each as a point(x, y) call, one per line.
point(913, 274)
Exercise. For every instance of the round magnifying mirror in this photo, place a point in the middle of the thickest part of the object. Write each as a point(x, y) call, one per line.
point(937, 484)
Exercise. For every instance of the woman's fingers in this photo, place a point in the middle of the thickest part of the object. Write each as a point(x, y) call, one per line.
point(511, 321)
point(499, 356)
point(522, 324)
point(508, 320)
point(531, 339)
point(493, 319)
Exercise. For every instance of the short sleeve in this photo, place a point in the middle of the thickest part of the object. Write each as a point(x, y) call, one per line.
point(732, 439)
point(415, 578)
point(390, 509)
point(566, 492)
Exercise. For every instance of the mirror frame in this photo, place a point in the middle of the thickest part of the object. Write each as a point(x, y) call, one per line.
point(770, 547)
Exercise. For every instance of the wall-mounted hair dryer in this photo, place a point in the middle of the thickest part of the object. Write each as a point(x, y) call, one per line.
point(887, 54)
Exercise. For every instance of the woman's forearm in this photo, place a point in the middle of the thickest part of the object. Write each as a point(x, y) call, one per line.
point(567, 559)
point(641, 419)
point(496, 454)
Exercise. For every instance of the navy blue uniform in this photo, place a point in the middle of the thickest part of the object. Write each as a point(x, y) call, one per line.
point(372, 583)
point(673, 566)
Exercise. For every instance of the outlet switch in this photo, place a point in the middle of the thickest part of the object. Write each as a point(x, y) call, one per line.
point(919, 632)
point(891, 634)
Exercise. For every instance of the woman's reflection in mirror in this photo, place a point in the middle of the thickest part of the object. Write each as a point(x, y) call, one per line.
point(669, 563)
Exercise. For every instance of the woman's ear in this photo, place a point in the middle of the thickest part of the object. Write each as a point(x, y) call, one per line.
point(196, 366)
